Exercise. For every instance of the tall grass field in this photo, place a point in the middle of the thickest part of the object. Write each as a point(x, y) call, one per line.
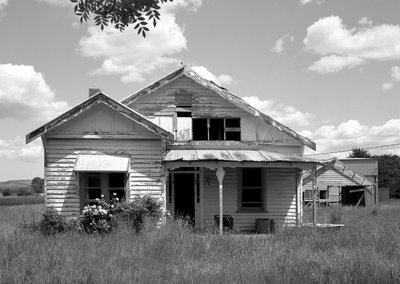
point(365, 250)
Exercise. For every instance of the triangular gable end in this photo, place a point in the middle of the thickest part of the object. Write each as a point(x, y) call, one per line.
point(340, 169)
point(224, 93)
point(91, 102)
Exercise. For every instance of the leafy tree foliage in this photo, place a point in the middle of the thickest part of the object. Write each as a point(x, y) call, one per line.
point(120, 13)
point(389, 173)
point(359, 153)
point(37, 185)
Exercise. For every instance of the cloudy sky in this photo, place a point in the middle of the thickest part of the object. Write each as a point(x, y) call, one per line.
point(329, 69)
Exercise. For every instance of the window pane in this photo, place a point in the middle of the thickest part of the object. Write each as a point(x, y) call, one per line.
point(116, 180)
point(94, 193)
point(251, 195)
point(200, 129)
point(233, 136)
point(232, 122)
point(119, 193)
point(217, 129)
point(252, 177)
point(94, 180)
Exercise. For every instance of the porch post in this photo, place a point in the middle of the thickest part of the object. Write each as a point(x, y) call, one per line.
point(165, 181)
point(314, 209)
point(220, 175)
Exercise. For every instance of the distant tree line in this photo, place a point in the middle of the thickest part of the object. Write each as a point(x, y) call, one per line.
point(389, 169)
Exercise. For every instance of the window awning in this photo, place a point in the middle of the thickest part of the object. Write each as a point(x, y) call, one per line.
point(101, 163)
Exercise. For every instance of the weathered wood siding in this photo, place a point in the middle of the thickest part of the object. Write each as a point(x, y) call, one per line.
point(159, 106)
point(143, 147)
point(330, 178)
point(104, 122)
point(280, 198)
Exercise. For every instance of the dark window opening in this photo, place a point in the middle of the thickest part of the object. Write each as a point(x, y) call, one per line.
point(323, 194)
point(252, 189)
point(216, 129)
point(232, 136)
point(183, 114)
point(200, 129)
point(116, 186)
point(232, 122)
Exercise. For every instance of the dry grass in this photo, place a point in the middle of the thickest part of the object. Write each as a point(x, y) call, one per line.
point(366, 250)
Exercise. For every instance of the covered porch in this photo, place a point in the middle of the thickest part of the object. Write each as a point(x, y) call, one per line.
point(246, 185)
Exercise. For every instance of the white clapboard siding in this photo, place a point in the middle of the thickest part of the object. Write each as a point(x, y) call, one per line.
point(62, 190)
point(280, 198)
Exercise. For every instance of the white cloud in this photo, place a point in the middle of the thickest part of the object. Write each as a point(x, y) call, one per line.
point(17, 149)
point(350, 134)
point(24, 94)
point(395, 73)
point(334, 63)
point(222, 79)
point(364, 21)
point(340, 47)
point(62, 3)
point(287, 115)
point(3, 3)
point(395, 76)
point(304, 2)
point(278, 46)
point(133, 57)
point(387, 86)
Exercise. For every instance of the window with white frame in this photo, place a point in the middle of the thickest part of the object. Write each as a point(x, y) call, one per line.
point(251, 189)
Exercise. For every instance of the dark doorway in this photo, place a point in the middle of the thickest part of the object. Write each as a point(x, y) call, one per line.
point(184, 195)
point(351, 195)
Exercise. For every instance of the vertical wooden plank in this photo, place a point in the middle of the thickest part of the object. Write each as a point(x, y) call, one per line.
point(220, 175)
point(314, 208)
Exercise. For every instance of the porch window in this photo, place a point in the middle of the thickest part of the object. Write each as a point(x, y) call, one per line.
point(251, 191)
point(96, 185)
point(216, 129)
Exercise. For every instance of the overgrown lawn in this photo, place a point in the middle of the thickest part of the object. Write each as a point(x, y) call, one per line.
point(366, 250)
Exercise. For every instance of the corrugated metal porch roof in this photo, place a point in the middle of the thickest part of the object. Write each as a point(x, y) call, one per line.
point(233, 156)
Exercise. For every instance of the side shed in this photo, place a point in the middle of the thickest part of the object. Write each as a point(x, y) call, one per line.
point(337, 184)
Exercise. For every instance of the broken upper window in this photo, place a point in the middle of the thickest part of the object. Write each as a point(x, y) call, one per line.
point(216, 129)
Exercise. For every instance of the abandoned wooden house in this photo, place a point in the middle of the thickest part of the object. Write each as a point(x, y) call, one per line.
point(203, 151)
point(337, 184)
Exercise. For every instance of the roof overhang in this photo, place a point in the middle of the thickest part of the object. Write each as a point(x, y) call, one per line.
point(101, 163)
point(190, 73)
point(88, 104)
point(235, 157)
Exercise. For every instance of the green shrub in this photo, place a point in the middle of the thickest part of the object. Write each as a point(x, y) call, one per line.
point(136, 212)
point(23, 192)
point(104, 217)
point(54, 222)
point(6, 192)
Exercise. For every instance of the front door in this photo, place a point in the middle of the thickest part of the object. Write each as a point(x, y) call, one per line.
point(184, 191)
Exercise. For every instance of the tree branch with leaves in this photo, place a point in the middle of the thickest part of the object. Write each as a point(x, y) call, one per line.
point(120, 13)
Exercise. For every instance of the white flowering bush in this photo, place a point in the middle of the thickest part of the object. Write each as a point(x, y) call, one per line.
point(98, 218)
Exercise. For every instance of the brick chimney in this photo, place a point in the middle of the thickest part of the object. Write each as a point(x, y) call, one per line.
point(93, 91)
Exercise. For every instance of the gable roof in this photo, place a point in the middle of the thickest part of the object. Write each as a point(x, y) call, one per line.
point(224, 93)
point(91, 102)
point(341, 169)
